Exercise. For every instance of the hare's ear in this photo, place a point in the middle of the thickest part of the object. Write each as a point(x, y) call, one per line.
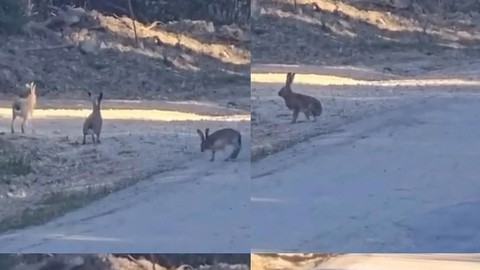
point(206, 132)
point(100, 97)
point(292, 77)
point(33, 87)
point(201, 135)
point(289, 78)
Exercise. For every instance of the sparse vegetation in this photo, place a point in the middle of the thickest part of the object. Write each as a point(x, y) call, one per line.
point(12, 162)
point(53, 205)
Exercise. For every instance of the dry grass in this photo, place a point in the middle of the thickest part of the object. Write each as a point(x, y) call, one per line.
point(13, 163)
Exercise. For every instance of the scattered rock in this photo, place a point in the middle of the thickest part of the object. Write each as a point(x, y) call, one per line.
point(193, 27)
point(233, 32)
point(89, 46)
point(19, 194)
point(401, 4)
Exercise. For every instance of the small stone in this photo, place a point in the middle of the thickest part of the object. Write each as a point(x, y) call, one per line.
point(89, 46)
point(18, 194)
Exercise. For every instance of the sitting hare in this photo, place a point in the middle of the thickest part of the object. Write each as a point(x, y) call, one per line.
point(93, 124)
point(24, 107)
point(219, 140)
point(296, 102)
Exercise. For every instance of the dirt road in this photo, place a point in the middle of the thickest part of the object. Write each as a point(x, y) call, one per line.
point(202, 208)
point(198, 206)
point(404, 180)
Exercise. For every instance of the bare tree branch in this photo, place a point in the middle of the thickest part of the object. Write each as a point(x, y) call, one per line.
point(133, 22)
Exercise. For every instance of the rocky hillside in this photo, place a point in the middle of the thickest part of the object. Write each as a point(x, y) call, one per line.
point(124, 262)
point(363, 32)
point(78, 49)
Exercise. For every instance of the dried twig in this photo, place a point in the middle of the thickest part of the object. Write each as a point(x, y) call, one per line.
point(118, 8)
point(130, 257)
point(62, 46)
point(152, 259)
point(153, 25)
point(133, 22)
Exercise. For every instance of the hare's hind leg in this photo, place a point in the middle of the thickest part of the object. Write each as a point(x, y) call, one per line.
point(11, 125)
point(93, 137)
point(234, 153)
point(24, 122)
point(213, 156)
point(30, 124)
point(84, 138)
point(307, 115)
point(98, 138)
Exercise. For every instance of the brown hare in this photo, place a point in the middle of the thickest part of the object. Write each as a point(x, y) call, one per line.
point(24, 107)
point(93, 123)
point(296, 102)
point(219, 140)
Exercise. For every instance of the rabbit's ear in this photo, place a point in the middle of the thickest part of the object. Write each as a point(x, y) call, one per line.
point(288, 80)
point(100, 97)
point(201, 135)
point(33, 87)
point(292, 76)
point(206, 132)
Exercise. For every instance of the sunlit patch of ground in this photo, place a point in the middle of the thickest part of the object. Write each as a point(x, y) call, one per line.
point(153, 115)
point(317, 79)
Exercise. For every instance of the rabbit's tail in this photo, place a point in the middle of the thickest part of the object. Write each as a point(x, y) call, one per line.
point(237, 149)
point(317, 111)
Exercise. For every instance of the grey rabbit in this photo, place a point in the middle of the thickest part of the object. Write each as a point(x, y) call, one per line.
point(219, 140)
point(296, 102)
